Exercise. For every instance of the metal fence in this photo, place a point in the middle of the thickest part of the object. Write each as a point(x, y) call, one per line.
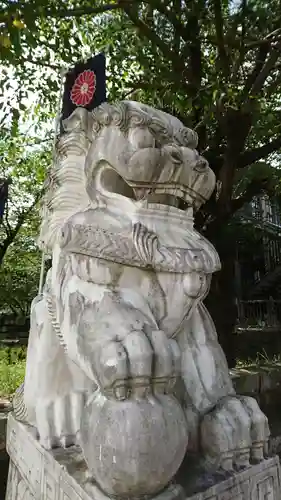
point(266, 209)
point(259, 314)
point(14, 329)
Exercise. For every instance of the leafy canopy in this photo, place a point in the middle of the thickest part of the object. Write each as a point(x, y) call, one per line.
point(213, 63)
point(26, 164)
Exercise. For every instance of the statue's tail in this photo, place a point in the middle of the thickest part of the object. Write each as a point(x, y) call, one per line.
point(19, 408)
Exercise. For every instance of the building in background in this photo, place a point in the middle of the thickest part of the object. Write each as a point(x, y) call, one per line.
point(258, 265)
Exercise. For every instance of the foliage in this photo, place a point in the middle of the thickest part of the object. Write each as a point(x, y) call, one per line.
point(19, 275)
point(261, 360)
point(26, 164)
point(12, 368)
point(213, 63)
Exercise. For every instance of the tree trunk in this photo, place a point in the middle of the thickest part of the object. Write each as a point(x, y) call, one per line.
point(11, 233)
point(4, 247)
point(221, 301)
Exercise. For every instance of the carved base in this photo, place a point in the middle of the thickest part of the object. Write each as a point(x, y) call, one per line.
point(37, 474)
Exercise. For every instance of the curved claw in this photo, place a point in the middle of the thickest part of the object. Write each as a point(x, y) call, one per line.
point(141, 361)
point(218, 437)
point(235, 431)
point(58, 420)
point(242, 432)
point(140, 355)
point(163, 361)
point(111, 369)
point(259, 428)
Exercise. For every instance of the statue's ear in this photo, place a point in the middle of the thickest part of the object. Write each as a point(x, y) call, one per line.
point(79, 120)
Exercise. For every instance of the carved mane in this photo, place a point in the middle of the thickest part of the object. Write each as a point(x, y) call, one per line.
point(67, 192)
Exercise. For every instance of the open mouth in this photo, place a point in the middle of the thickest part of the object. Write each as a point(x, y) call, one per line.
point(173, 196)
point(167, 199)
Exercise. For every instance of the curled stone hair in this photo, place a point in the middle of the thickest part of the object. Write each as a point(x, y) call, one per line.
point(68, 193)
point(126, 115)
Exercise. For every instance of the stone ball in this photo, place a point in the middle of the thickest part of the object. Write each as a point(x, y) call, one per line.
point(133, 447)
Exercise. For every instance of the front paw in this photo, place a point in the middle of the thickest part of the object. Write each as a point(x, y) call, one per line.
point(58, 420)
point(141, 362)
point(235, 433)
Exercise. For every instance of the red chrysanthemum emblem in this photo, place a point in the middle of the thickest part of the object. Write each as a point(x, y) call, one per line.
point(84, 88)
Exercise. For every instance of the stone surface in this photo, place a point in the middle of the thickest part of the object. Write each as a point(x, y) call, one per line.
point(257, 379)
point(260, 482)
point(4, 457)
point(3, 419)
point(4, 410)
point(37, 474)
point(123, 357)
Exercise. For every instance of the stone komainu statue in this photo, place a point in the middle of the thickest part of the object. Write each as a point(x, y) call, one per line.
point(123, 357)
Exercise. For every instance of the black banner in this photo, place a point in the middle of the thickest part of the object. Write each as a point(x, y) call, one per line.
point(85, 86)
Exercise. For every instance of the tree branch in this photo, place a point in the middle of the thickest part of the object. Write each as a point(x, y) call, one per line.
point(220, 36)
point(174, 20)
point(253, 189)
point(13, 233)
point(271, 87)
point(264, 41)
point(267, 67)
point(177, 62)
point(37, 62)
point(147, 32)
point(83, 11)
point(177, 31)
point(242, 51)
point(76, 12)
point(211, 224)
point(261, 70)
point(254, 155)
point(260, 60)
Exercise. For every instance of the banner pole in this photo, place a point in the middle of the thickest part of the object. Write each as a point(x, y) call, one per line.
point(99, 97)
point(57, 122)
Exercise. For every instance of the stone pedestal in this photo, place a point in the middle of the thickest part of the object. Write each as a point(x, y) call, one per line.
point(36, 474)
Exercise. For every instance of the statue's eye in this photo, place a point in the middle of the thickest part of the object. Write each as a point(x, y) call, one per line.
point(141, 138)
